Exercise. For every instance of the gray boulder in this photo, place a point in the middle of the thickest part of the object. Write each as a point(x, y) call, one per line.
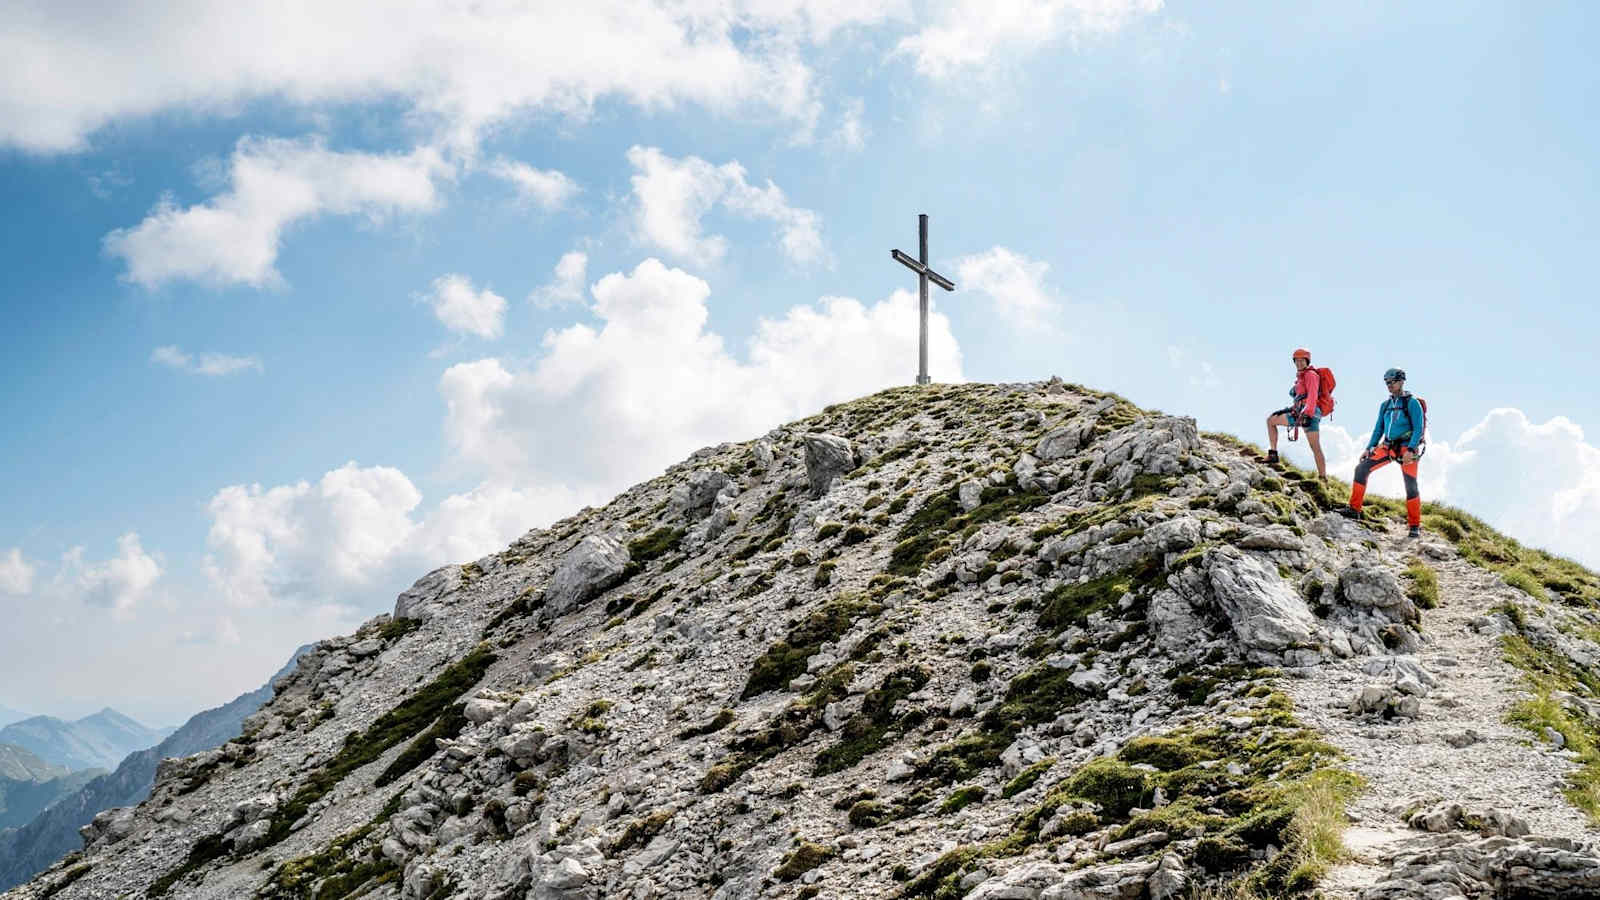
point(1266, 612)
point(694, 496)
point(1376, 587)
point(1063, 441)
point(596, 563)
point(827, 457)
point(422, 600)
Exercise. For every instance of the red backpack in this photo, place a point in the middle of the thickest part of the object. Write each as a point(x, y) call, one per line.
point(1325, 385)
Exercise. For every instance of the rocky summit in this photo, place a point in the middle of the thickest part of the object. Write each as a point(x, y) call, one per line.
point(1002, 642)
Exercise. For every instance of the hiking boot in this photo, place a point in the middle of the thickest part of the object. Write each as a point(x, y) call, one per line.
point(1272, 457)
point(1414, 531)
point(1350, 513)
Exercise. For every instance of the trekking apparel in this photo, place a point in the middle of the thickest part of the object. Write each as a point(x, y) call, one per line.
point(1307, 391)
point(1377, 459)
point(1397, 418)
point(1325, 384)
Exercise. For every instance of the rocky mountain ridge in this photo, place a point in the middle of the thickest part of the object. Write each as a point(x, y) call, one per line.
point(994, 641)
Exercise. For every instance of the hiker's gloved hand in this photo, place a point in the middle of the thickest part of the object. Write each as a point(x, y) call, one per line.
point(1409, 456)
point(1305, 422)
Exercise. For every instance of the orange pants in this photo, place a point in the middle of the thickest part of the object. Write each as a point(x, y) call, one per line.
point(1381, 456)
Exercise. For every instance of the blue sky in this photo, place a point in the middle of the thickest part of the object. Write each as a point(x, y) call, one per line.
point(287, 329)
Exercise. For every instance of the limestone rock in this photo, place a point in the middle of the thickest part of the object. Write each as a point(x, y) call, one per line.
point(827, 457)
point(1063, 441)
point(421, 600)
point(596, 563)
point(1266, 612)
point(694, 496)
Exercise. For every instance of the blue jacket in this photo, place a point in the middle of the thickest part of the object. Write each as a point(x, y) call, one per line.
point(1394, 426)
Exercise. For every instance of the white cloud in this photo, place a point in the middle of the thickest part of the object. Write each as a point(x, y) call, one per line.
point(672, 196)
point(853, 130)
point(1012, 282)
point(607, 407)
point(213, 364)
point(308, 541)
point(571, 272)
point(545, 188)
point(466, 310)
point(119, 583)
point(455, 68)
point(274, 184)
point(968, 33)
point(352, 538)
point(16, 573)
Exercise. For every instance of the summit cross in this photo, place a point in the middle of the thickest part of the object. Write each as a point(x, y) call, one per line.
point(924, 275)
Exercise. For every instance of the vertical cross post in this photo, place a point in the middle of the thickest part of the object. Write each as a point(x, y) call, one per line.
point(924, 275)
point(922, 299)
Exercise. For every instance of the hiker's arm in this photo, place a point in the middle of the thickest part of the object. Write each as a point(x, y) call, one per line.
point(1377, 430)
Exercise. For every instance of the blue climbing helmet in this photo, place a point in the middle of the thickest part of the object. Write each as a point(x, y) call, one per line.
point(1394, 375)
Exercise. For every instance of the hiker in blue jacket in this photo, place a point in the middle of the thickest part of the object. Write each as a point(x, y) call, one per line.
point(1396, 437)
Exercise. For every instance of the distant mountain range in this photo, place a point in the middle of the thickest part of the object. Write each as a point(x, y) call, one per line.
point(28, 784)
point(54, 832)
point(9, 715)
point(99, 741)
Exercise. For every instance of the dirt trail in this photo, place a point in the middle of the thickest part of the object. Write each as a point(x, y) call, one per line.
point(1410, 761)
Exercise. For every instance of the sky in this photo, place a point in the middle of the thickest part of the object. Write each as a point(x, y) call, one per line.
point(307, 300)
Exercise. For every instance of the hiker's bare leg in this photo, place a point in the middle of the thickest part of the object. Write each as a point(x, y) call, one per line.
point(1273, 422)
point(1314, 438)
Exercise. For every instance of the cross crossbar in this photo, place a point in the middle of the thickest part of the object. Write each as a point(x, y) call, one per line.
point(921, 269)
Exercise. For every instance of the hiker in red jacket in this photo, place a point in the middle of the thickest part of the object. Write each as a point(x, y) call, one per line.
point(1301, 412)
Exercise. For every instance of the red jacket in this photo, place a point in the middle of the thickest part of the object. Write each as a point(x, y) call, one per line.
point(1307, 390)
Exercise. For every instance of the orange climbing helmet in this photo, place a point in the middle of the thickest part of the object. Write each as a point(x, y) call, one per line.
point(1302, 353)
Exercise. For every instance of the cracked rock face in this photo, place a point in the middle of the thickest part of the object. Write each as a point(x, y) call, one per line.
point(1265, 611)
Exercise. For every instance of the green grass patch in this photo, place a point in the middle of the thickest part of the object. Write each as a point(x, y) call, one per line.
point(1422, 585)
point(1027, 778)
point(394, 727)
point(801, 860)
point(347, 864)
point(654, 545)
point(395, 629)
point(865, 733)
point(1286, 793)
point(1550, 675)
point(961, 799)
point(786, 660)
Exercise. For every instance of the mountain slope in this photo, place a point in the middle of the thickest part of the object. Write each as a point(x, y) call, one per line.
point(1020, 641)
point(49, 835)
point(100, 740)
point(9, 715)
point(23, 799)
point(18, 764)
